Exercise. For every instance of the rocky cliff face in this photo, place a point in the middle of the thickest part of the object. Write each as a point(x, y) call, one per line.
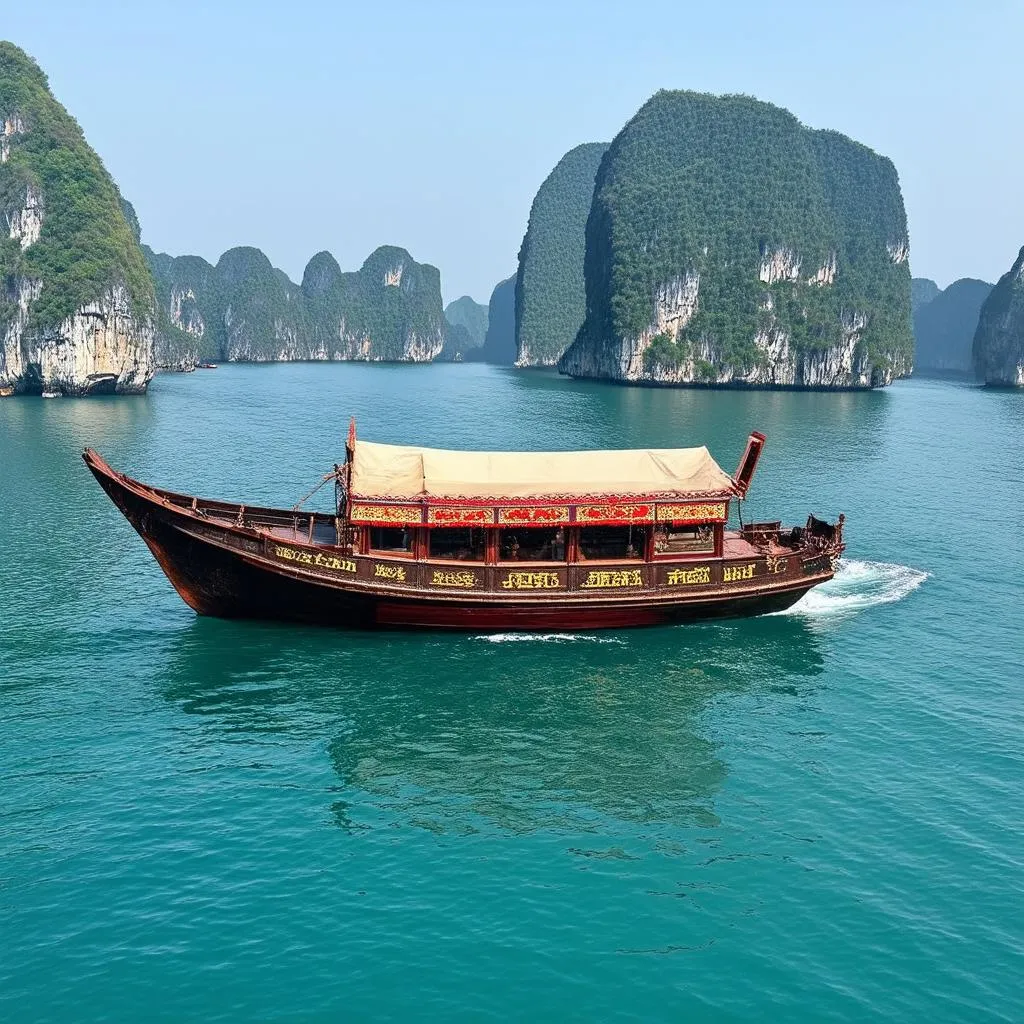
point(77, 313)
point(944, 328)
point(550, 296)
point(701, 267)
point(998, 349)
point(245, 310)
point(499, 345)
point(922, 291)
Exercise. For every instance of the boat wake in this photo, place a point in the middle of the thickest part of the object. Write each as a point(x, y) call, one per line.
point(547, 638)
point(858, 585)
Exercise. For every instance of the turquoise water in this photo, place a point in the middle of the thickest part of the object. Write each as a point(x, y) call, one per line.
point(818, 815)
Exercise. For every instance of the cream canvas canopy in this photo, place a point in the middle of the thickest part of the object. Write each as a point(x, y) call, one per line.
point(399, 472)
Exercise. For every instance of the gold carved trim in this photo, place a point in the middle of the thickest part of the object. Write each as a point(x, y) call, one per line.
point(615, 513)
point(400, 514)
point(534, 515)
point(442, 516)
point(708, 512)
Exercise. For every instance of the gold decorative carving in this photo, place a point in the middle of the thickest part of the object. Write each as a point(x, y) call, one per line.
point(531, 581)
point(453, 579)
point(709, 512)
point(534, 515)
point(315, 558)
point(441, 516)
point(735, 573)
point(604, 578)
point(401, 514)
point(688, 577)
point(777, 565)
point(614, 513)
point(390, 572)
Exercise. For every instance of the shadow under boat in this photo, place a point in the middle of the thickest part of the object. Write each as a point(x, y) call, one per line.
point(519, 733)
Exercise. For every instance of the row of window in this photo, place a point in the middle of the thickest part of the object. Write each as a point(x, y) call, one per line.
point(548, 544)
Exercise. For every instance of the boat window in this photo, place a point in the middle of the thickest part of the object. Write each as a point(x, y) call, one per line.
point(463, 544)
point(388, 538)
point(685, 540)
point(608, 542)
point(540, 544)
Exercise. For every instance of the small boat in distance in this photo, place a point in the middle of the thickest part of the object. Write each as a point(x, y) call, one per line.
point(427, 538)
point(206, 366)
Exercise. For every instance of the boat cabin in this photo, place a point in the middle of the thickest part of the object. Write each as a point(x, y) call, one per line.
point(537, 509)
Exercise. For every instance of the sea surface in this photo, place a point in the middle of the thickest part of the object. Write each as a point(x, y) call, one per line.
point(810, 816)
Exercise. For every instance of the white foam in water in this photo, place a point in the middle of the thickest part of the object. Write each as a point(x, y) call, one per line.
point(546, 638)
point(856, 586)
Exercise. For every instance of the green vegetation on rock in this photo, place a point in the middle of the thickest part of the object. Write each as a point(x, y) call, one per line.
point(747, 242)
point(944, 327)
point(245, 309)
point(998, 349)
point(86, 244)
point(550, 295)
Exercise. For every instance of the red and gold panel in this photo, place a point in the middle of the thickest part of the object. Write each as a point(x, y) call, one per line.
point(386, 515)
point(596, 515)
point(692, 512)
point(536, 515)
point(442, 516)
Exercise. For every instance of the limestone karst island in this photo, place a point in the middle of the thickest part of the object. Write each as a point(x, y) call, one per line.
point(716, 241)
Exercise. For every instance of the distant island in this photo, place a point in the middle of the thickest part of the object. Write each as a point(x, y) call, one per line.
point(550, 299)
point(701, 267)
point(467, 328)
point(944, 325)
point(998, 348)
point(244, 309)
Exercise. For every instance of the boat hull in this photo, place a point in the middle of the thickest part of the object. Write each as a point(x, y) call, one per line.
point(233, 571)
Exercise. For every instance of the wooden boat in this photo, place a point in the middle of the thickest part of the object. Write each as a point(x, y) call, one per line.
point(488, 541)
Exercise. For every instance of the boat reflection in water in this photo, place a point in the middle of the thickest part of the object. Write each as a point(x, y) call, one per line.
point(515, 733)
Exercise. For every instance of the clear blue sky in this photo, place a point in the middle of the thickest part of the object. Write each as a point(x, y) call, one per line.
point(297, 126)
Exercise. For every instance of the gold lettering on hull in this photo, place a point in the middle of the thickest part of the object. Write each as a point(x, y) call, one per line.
point(604, 578)
point(314, 558)
point(735, 573)
point(453, 579)
point(689, 577)
point(531, 581)
point(390, 572)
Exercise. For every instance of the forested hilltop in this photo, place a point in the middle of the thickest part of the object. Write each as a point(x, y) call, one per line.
point(998, 348)
point(467, 328)
point(944, 327)
point(244, 309)
point(550, 296)
point(76, 299)
point(728, 244)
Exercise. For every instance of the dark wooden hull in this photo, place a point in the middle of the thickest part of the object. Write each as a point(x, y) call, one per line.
point(233, 569)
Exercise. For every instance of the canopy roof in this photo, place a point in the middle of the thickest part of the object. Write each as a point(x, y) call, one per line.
point(401, 472)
